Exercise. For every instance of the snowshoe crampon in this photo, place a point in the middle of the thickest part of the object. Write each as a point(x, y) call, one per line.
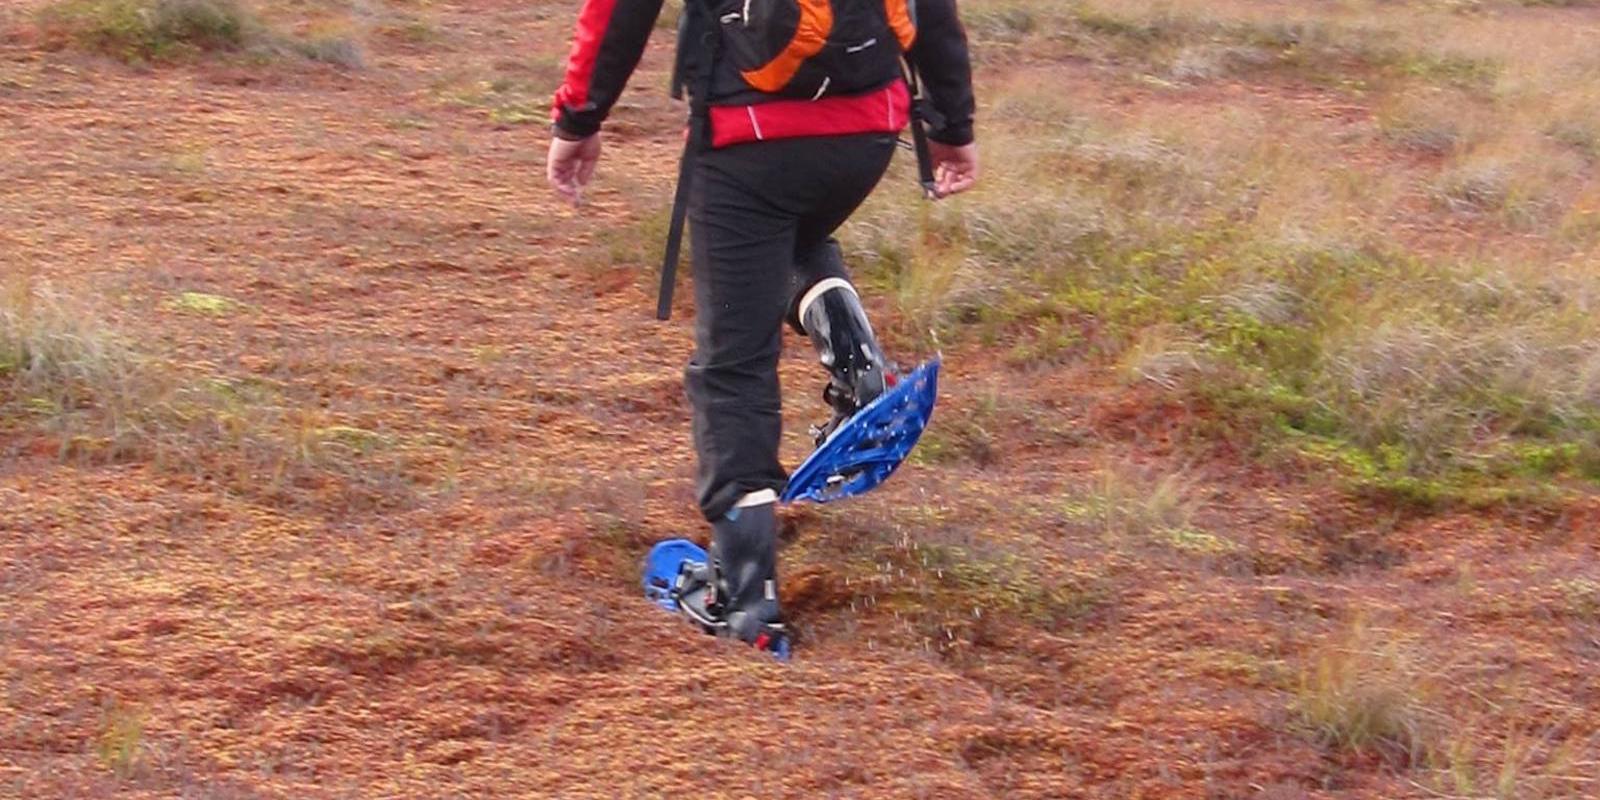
point(865, 449)
point(678, 579)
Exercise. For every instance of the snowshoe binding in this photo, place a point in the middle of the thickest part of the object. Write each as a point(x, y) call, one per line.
point(879, 412)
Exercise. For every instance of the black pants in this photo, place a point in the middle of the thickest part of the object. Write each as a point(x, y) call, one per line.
point(762, 220)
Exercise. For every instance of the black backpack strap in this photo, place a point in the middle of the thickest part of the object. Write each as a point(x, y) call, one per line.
point(696, 37)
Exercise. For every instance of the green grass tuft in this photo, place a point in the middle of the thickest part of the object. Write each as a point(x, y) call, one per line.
point(144, 31)
point(206, 304)
point(120, 744)
point(151, 30)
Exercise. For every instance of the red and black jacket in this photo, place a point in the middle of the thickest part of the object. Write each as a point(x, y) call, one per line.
point(612, 34)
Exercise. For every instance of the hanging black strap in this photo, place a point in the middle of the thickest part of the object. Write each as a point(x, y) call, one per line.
point(680, 210)
point(697, 51)
point(922, 115)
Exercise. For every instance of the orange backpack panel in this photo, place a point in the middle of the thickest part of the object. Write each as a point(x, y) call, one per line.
point(812, 48)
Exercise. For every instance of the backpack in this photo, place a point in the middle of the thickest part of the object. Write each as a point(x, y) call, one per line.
point(809, 48)
point(800, 49)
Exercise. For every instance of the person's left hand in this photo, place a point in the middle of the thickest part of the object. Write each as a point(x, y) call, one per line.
point(955, 167)
point(571, 165)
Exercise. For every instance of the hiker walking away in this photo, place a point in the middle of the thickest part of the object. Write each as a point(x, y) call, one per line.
point(797, 106)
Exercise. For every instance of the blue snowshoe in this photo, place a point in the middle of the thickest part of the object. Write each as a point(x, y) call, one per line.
point(731, 591)
point(879, 412)
point(860, 451)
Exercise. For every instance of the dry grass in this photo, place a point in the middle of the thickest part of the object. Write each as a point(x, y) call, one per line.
point(1433, 386)
point(1128, 502)
point(96, 397)
point(168, 30)
point(1518, 761)
point(949, 582)
point(1369, 694)
point(1234, 206)
point(65, 368)
point(1243, 255)
point(1381, 692)
point(136, 29)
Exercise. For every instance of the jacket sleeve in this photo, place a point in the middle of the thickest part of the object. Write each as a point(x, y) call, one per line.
point(610, 39)
point(941, 56)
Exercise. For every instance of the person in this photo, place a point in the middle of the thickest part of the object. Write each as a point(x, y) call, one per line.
point(792, 150)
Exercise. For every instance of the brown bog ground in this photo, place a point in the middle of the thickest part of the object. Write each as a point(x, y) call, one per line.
point(330, 441)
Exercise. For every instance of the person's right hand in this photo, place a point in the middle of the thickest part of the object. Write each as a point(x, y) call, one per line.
point(571, 165)
point(955, 167)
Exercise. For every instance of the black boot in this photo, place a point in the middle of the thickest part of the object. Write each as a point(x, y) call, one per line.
point(831, 314)
point(736, 594)
point(744, 559)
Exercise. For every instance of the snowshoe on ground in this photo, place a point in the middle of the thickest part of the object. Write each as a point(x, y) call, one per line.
point(731, 591)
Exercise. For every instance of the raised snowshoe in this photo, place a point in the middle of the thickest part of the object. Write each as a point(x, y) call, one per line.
point(879, 412)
